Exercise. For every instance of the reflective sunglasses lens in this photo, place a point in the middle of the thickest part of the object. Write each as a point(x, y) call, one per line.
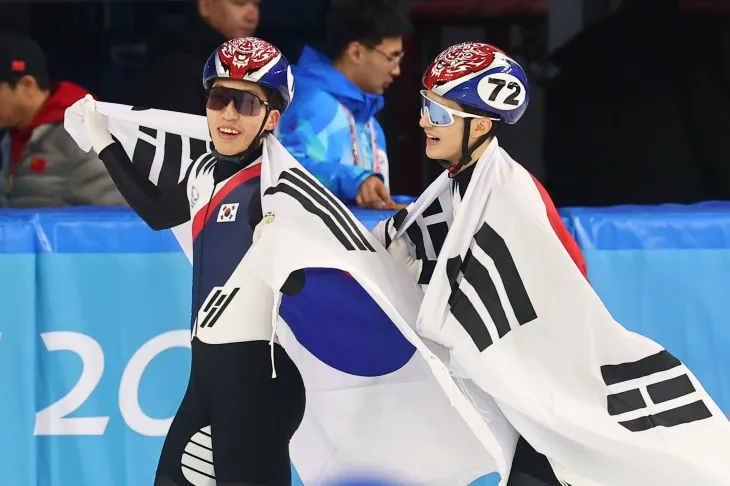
point(437, 115)
point(246, 103)
point(217, 100)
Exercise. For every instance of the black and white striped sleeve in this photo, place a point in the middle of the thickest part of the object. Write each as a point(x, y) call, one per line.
point(160, 210)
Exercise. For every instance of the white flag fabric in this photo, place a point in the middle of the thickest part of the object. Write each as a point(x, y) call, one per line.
point(161, 144)
point(607, 406)
point(379, 399)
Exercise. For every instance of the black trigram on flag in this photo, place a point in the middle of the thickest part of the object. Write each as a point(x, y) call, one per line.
point(428, 236)
point(316, 200)
point(650, 398)
point(477, 275)
point(173, 153)
point(216, 305)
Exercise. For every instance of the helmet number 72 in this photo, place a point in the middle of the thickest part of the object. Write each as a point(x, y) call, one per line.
point(499, 85)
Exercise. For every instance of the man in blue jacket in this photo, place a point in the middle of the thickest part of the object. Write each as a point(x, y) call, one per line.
point(330, 126)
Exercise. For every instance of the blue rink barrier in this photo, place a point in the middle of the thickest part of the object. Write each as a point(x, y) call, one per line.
point(94, 344)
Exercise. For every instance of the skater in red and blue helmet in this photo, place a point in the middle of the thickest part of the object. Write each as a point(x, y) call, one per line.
point(235, 422)
point(470, 91)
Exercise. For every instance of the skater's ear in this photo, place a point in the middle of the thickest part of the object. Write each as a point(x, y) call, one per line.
point(273, 120)
point(487, 123)
point(480, 127)
point(276, 102)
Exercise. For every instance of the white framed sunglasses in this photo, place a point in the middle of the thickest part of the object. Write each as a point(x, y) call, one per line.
point(440, 115)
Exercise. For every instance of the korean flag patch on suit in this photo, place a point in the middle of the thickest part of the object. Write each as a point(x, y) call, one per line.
point(227, 213)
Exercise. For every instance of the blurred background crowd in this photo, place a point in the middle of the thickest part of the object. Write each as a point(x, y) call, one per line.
point(630, 98)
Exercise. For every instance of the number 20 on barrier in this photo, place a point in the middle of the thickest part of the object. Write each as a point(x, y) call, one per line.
point(54, 420)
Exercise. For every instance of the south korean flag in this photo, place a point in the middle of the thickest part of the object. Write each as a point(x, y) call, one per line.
point(227, 213)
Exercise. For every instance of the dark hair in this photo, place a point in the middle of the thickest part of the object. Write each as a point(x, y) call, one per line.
point(42, 79)
point(274, 98)
point(366, 21)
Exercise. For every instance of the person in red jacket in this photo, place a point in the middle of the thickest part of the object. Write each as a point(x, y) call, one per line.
point(46, 168)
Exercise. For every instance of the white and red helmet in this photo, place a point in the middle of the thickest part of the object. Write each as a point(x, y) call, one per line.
point(481, 76)
point(251, 59)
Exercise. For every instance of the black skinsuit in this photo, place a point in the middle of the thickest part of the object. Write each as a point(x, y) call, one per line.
point(233, 413)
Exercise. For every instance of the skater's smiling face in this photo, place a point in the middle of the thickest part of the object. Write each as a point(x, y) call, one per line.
point(237, 111)
point(443, 122)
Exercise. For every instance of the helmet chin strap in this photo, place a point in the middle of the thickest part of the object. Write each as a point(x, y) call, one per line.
point(241, 157)
point(466, 151)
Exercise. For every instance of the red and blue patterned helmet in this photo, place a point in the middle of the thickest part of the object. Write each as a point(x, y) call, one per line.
point(251, 59)
point(481, 76)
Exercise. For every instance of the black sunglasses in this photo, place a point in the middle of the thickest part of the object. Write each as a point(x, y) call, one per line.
point(245, 102)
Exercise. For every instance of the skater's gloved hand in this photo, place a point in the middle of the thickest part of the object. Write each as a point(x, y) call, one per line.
point(399, 250)
point(96, 125)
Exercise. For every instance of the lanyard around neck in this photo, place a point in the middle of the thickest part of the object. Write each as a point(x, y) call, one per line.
point(355, 145)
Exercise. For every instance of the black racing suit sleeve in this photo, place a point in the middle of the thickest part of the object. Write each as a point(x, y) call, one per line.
point(160, 210)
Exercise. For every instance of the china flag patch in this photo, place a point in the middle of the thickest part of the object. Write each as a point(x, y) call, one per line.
point(37, 164)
